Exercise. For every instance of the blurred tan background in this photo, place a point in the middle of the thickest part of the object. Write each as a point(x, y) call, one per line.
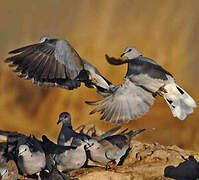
point(167, 31)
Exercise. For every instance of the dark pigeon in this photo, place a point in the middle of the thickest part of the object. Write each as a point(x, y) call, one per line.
point(187, 170)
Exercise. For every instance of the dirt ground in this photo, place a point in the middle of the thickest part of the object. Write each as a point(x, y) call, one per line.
point(145, 161)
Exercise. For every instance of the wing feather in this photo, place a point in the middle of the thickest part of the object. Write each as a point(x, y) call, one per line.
point(127, 102)
point(50, 62)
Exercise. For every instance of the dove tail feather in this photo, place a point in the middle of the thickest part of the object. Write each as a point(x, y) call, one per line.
point(134, 133)
point(179, 101)
point(114, 61)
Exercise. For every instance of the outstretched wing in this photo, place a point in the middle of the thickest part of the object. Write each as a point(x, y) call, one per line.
point(52, 63)
point(127, 102)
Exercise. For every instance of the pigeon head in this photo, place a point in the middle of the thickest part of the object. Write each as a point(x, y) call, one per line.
point(169, 171)
point(44, 38)
point(94, 145)
point(23, 150)
point(65, 118)
point(88, 143)
point(131, 53)
point(3, 172)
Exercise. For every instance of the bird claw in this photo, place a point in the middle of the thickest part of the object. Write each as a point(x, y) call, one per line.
point(161, 91)
point(111, 165)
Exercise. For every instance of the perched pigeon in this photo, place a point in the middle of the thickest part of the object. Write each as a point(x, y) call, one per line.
point(112, 148)
point(67, 157)
point(144, 80)
point(54, 62)
point(187, 170)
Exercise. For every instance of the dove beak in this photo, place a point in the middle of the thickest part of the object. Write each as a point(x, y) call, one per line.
point(122, 54)
point(59, 120)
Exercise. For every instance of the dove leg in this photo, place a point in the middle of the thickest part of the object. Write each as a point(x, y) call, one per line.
point(111, 165)
point(161, 91)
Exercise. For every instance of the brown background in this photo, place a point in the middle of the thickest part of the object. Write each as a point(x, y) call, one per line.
point(167, 31)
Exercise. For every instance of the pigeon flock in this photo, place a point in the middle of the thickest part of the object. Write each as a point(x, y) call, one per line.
point(55, 63)
point(43, 158)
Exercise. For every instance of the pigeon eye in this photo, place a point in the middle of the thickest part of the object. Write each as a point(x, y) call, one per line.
point(129, 50)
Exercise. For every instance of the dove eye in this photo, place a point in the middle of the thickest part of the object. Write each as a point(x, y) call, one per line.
point(129, 50)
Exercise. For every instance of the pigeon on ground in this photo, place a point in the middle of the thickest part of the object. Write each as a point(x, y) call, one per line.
point(54, 62)
point(26, 151)
point(112, 148)
point(187, 170)
point(67, 134)
point(67, 157)
point(144, 80)
point(31, 157)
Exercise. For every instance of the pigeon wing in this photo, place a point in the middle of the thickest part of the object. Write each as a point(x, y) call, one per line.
point(127, 102)
point(50, 63)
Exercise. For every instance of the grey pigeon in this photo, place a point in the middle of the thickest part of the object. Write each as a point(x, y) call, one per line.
point(31, 157)
point(144, 80)
point(27, 152)
point(112, 148)
point(67, 134)
point(68, 137)
point(67, 159)
point(187, 170)
point(54, 62)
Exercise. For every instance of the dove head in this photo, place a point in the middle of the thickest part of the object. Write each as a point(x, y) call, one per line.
point(65, 118)
point(95, 145)
point(88, 143)
point(24, 150)
point(44, 38)
point(131, 53)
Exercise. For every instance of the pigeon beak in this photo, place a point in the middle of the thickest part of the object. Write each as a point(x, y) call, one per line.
point(20, 153)
point(122, 54)
point(60, 120)
point(87, 147)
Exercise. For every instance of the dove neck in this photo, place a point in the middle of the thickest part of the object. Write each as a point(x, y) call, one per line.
point(67, 125)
